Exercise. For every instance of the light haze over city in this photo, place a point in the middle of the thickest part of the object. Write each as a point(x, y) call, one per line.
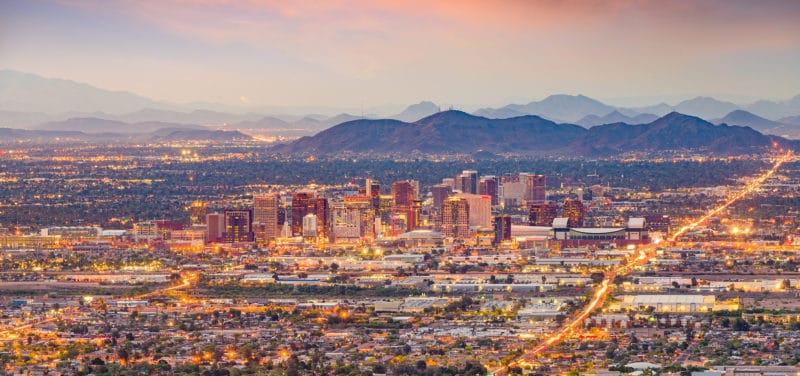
point(383, 55)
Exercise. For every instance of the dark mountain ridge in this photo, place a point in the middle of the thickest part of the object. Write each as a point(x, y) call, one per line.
point(674, 131)
point(615, 117)
point(159, 135)
point(97, 125)
point(459, 132)
point(443, 132)
point(766, 126)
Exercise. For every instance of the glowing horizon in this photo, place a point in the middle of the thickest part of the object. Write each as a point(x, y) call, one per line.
point(351, 53)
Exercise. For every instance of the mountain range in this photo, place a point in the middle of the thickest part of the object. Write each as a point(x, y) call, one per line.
point(96, 129)
point(417, 111)
point(159, 135)
point(27, 99)
point(97, 125)
point(581, 109)
point(48, 106)
point(459, 132)
point(561, 108)
point(24, 92)
point(615, 117)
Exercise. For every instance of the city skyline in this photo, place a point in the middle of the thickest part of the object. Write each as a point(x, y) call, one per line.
point(384, 54)
point(399, 188)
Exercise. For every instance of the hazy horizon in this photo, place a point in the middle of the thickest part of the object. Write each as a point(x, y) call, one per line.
point(348, 55)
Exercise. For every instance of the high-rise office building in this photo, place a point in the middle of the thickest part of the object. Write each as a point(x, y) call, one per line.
point(573, 211)
point(373, 191)
point(440, 192)
point(310, 223)
point(353, 220)
point(415, 188)
point(403, 193)
point(451, 182)
point(373, 187)
point(523, 188)
point(537, 188)
point(480, 209)
point(455, 218)
point(281, 215)
point(487, 185)
point(238, 225)
point(265, 218)
point(542, 214)
point(300, 207)
point(513, 190)
point(502, 228)
point(467, 182)
point(197, 213)
point(319, 207)
point(216, 227)
point(403, 205)
point(534, 186)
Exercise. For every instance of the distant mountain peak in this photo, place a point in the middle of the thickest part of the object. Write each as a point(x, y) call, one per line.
point(741, 112)
point(556, 107)
point(20, 91)
point(424, 104)
point(616, 117)
point(676, 114)
point(417, 111)
point(679, 116)
point(449, 114)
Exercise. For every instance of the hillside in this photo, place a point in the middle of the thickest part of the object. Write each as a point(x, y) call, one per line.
point(459, 132)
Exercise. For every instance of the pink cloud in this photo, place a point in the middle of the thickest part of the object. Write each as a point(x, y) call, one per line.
point(223, 21)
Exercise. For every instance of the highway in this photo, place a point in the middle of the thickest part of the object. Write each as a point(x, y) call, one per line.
point(749, 188)
point(597, 301)
point(528, 358)
point(186, 282)
point(6, 332)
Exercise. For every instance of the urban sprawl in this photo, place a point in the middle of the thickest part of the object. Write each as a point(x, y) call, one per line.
point(168, 262)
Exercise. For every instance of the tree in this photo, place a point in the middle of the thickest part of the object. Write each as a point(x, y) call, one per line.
point(163, 366)
point(740, 325)
point(334, 267)
point(123, 355)
point(378, 368)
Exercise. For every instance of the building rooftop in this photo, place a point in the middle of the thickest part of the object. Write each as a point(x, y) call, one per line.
point(561, 223)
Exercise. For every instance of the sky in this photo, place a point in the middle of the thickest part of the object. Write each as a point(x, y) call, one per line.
point(351, 54)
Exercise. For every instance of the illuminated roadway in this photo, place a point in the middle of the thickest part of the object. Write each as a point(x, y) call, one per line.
point(749, 188)
point(186, 283)
point(17, 328)
point(644, 254)
point(597, 300)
